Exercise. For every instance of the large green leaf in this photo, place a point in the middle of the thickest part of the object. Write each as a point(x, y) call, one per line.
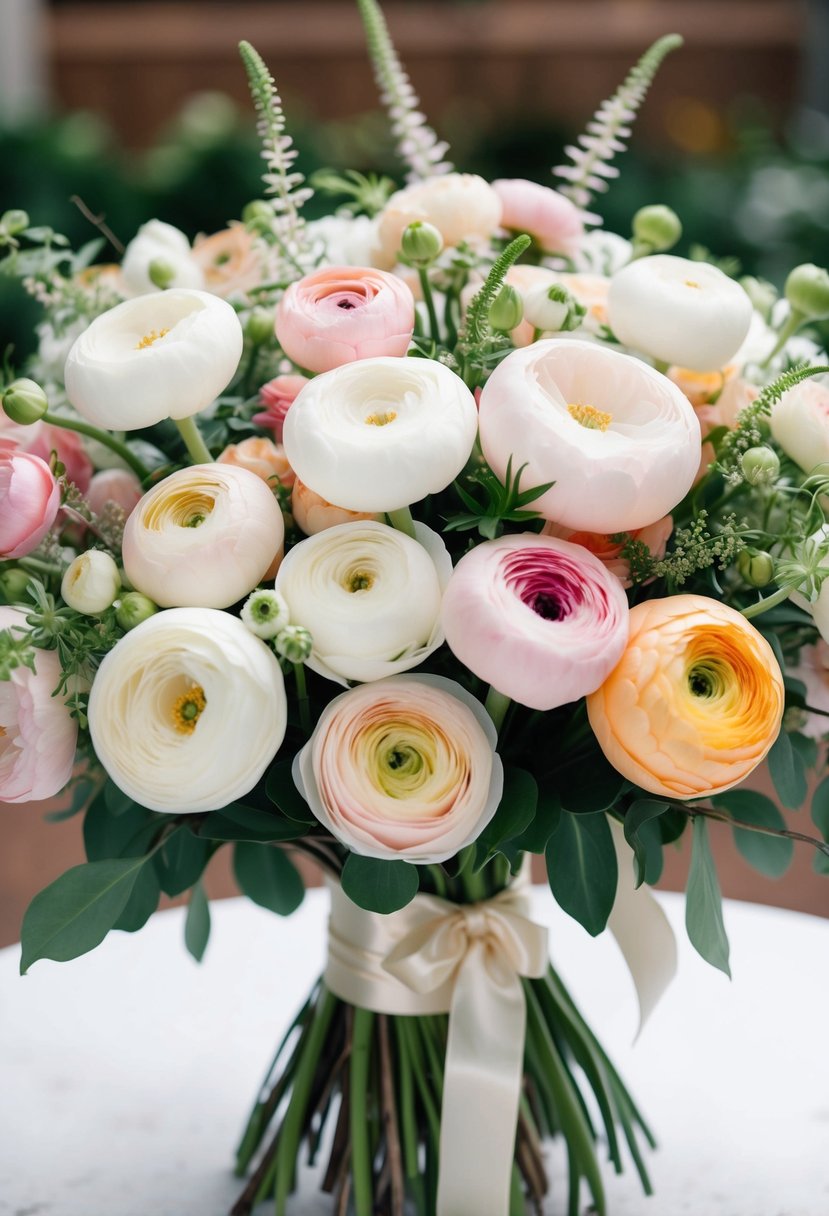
point(515, 813)
point(197, 923)
point(128, 833)
point(644, 837)
point(238, 822)
point(820, 808)
point(771, 855)
point(282, 791)
point(379, 886)
point(142, 902)
point(268, 877)
point(703, 902)
point(588, 785)
point(582, 869)
point(788, 772)
point(548, 812)
point(181, 860)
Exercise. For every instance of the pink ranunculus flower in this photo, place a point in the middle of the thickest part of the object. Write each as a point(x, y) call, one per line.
point(261, 456)
point(41, 439)
point(278, 396)
point(312, 513)
point(540, 619)
point(403, 768)
point(548, 217)
point(118, 486)
point(342, 313)
point(609, 552)
point(29, 502)
point(38, 736)
point(800, 424)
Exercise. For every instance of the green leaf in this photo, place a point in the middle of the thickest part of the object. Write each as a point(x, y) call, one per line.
point(771, 855)
point(379, 886)
point(703, 902)
point(582, 869)
point(806, 748)
point(820, 808)
point(127, 834)
point(787, 772)
point(515, 812)
point(644, 837)
point(116, 800)
point(180, 861)
point(82, 791)
point(534, 838)
point(589, 785)
point(249, 823)
point(142, 902)
point(268, 877)
point(283, 793)
point(197, 923)
point(74, 914)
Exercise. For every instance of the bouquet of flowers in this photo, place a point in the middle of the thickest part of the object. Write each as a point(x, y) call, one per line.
point(417, 540)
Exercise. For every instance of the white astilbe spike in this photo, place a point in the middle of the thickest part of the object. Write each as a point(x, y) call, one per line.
point(417, 143)
point(608, 130)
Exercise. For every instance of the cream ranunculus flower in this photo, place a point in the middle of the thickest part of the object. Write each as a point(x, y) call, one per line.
point(370, 597)
point(187, 711)
point(459, 205)
point(159, 245)
point(380, 434)
point(167, 355)
point(618, 439)
point(403, 769)
point(681, 312)
point(91, 582)
point(205, 536)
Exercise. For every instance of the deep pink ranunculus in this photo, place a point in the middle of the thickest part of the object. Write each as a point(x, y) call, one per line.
point(29, 502)
point(551, 219)
point(278, 396)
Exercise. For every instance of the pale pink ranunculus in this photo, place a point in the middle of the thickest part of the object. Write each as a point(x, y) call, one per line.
point(228, 260)
point(277, 396)
point(41, 439)
point(548, 217)
point(800, 424)
point(260, 456)
point(540, 619)
point(342, 313)
point(29, 502)
point(725, 411)
point(118, 486)
point(37, 734)
point(609, 552)
point(312, 513)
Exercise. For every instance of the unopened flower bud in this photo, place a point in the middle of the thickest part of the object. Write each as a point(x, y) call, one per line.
point(507, 309)
point(91, 582)
point(161, 273)
point(257, 214)
point(24, 402)
point(552, 309)
point(259, 326)
point(756, 567)
point(656, 226)
point(294, 643)
point(762, 294)
point(421, 243)
point(14, 222)
point(807, 290)
point(266, 614)
point(133, 608)
point(760, 466)
point(13, 584)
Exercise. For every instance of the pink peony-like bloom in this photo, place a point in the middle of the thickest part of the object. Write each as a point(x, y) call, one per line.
point(118, 486)
point(548, 217)
point(403, 768)
point(41, 439)
point(38, 736)
point(278, 396)
point(609, 552)
point(312, 513)
point(260, 456)
point(29, 502)
point(538, 618)
point(343, 313)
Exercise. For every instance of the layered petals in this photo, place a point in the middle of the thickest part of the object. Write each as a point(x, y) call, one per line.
point(29, 502)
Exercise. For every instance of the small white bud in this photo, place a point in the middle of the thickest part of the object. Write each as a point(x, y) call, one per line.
point(91, 583)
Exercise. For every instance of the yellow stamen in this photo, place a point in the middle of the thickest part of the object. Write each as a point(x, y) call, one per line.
point(692, 283)
point(152, 336)
point(187, 709)
point(359, 580)
point(591, 418)
point(381, 419)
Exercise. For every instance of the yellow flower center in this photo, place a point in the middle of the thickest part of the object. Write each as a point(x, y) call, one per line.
point(187, 508)
point(358, 580)
point(383, 419)
point(153, 336)
point(589, 417)
point(187, 709)
point(692, 283)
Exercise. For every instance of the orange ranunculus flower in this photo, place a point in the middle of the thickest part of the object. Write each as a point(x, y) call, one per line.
point(695, 702)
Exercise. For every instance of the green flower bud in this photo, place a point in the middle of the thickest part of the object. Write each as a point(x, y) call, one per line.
point(257, 214)
point(259, 326)
point(756, 567)
point(24, 402)
point(420, 244)
point(161, 273)
point(507, 309)
point(762, 294)
point(13, 584)
point(760, 466)
point(265, 613)
point(133, 608)
point(807, 290)
point(14, 222)
point(294, 643)
point(656, 226)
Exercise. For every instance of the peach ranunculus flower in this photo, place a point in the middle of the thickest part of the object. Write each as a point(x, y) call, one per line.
point(404, 768)
point(343, 313)
point(29, 502)
point(260, 456)
point(609, 552)
point(725, 411)
point(277, 396)
point(695, 702)
point(551, 219)
point(228, 261)
point(312, 513)
point(461, 206)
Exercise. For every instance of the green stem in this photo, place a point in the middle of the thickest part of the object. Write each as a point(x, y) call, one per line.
point(661, 365)
point(793, 323)
point(247, 379)
point(771, 601)
point(402, 520)
point(537, 332)
point(361, 1171)
point(429, 301)
point(496, 706)
point(104, 437)
point(190, 433)
point(38, 566)
point(302, 697)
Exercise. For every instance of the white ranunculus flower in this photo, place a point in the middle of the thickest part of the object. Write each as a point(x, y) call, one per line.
point(158, 356)
point(91, 582)
point(164, 245)
point(461, 206)
point(800, 424)
point(619, 440)
point(681, 312)
point(370, 597)
point(347, 240)
point(380, 434)
point(206, 536)
point(187, 710)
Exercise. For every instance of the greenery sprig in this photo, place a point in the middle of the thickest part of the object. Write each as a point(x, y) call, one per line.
point(695, 547)
point(503, 502)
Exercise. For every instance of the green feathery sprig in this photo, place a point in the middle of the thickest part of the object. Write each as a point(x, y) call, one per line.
point(476, 328)
point(747, 434)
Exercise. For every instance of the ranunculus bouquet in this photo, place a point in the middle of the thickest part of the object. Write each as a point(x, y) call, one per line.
point(417, 540)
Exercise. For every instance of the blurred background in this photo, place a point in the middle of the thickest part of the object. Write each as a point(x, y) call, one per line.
point(139, 108)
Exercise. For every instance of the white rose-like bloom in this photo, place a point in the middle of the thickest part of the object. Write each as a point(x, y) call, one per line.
point(91, 582)
point(618, 439)
point(156, 241)
point(187, 711)
point(347, 240)
point(460, 205)
point(403, 769)
point(380, 434)
point(167, 355)
point(681, 312)
point(370, 597)
point(800, 424)
point(204, 536)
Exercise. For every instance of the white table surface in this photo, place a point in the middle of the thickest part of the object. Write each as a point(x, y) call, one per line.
point(125, 1075)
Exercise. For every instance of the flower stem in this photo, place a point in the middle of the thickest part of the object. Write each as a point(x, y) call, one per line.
point(402, 520)
point(38, 566)
point(104, 437)
point(771, 601)
point(661, 365)
point(190, 433)
point(361, 1171)
point(302, 697)
point(793, 323)
point(496, 706)
point(429, 301)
